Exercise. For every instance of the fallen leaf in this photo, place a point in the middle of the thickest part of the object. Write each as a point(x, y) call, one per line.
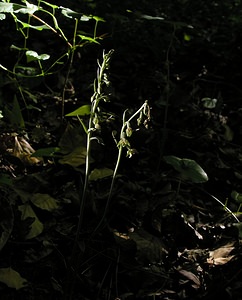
point(191, 277)
point(220, 256)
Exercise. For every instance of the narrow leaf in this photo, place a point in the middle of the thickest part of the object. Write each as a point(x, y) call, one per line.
point(87, 38)
point(81, 111)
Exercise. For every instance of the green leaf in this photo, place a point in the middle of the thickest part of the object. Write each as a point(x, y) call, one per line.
point(46, 152)
point(6, 222)
point(6, 7)
point(38, 27)
point(76, 158)
point(187, 168)
point(6, 180)
point(17, 8)
point(28, 9)
point(2, 17)
point(239, 227)
point(49, 4)
point(36, 227)
point(15, 116)
point(12, 278)
point(13, 47)
point(87, 38)
point(209, 102)
point(33, 55)
point(187, 37)
point(100, 174)
point(81, 111)
point(98, 19)
point(71, 139)
point(44, 201)
point(67, 12)
point(236, 196)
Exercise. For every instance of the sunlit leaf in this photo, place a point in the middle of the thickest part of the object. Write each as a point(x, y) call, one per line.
point(17, 8)
point(37, 27)
point(81, 111)
point(67, 12)
point(36, 227)
point(44, 201)
point(209, 102)
point(12, 278)
point(33, 55)
point(187, 37)
point(28, 9)
point(98, 19)
point(2, 17)
point(86, 38)
point(187, 168)
point(49, 4)
point(6, 7)
point(147, 17)
point(100, 174)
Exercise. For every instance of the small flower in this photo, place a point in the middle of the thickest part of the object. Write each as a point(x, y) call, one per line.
point(131, 152)
point(129, 131)
point(123, 143)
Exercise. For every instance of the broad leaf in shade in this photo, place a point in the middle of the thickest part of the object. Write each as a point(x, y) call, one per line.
point(36, 227)
point(100, 173)
point(46, 152)
point(76, 158)
point(6, 222)
point(12, 279)
point(188, 169)
point(44, 201)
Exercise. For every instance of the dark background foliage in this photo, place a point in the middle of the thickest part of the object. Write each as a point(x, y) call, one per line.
point(159, 232)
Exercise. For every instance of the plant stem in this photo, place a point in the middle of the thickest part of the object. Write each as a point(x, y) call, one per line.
point(72, 51)
point(120, 151)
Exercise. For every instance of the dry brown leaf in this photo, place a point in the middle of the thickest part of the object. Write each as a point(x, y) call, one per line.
point(220, 256)
point(191, 277)
point(23, 151)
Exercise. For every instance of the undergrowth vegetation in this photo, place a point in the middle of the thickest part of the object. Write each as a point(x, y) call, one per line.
point(120, 150)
